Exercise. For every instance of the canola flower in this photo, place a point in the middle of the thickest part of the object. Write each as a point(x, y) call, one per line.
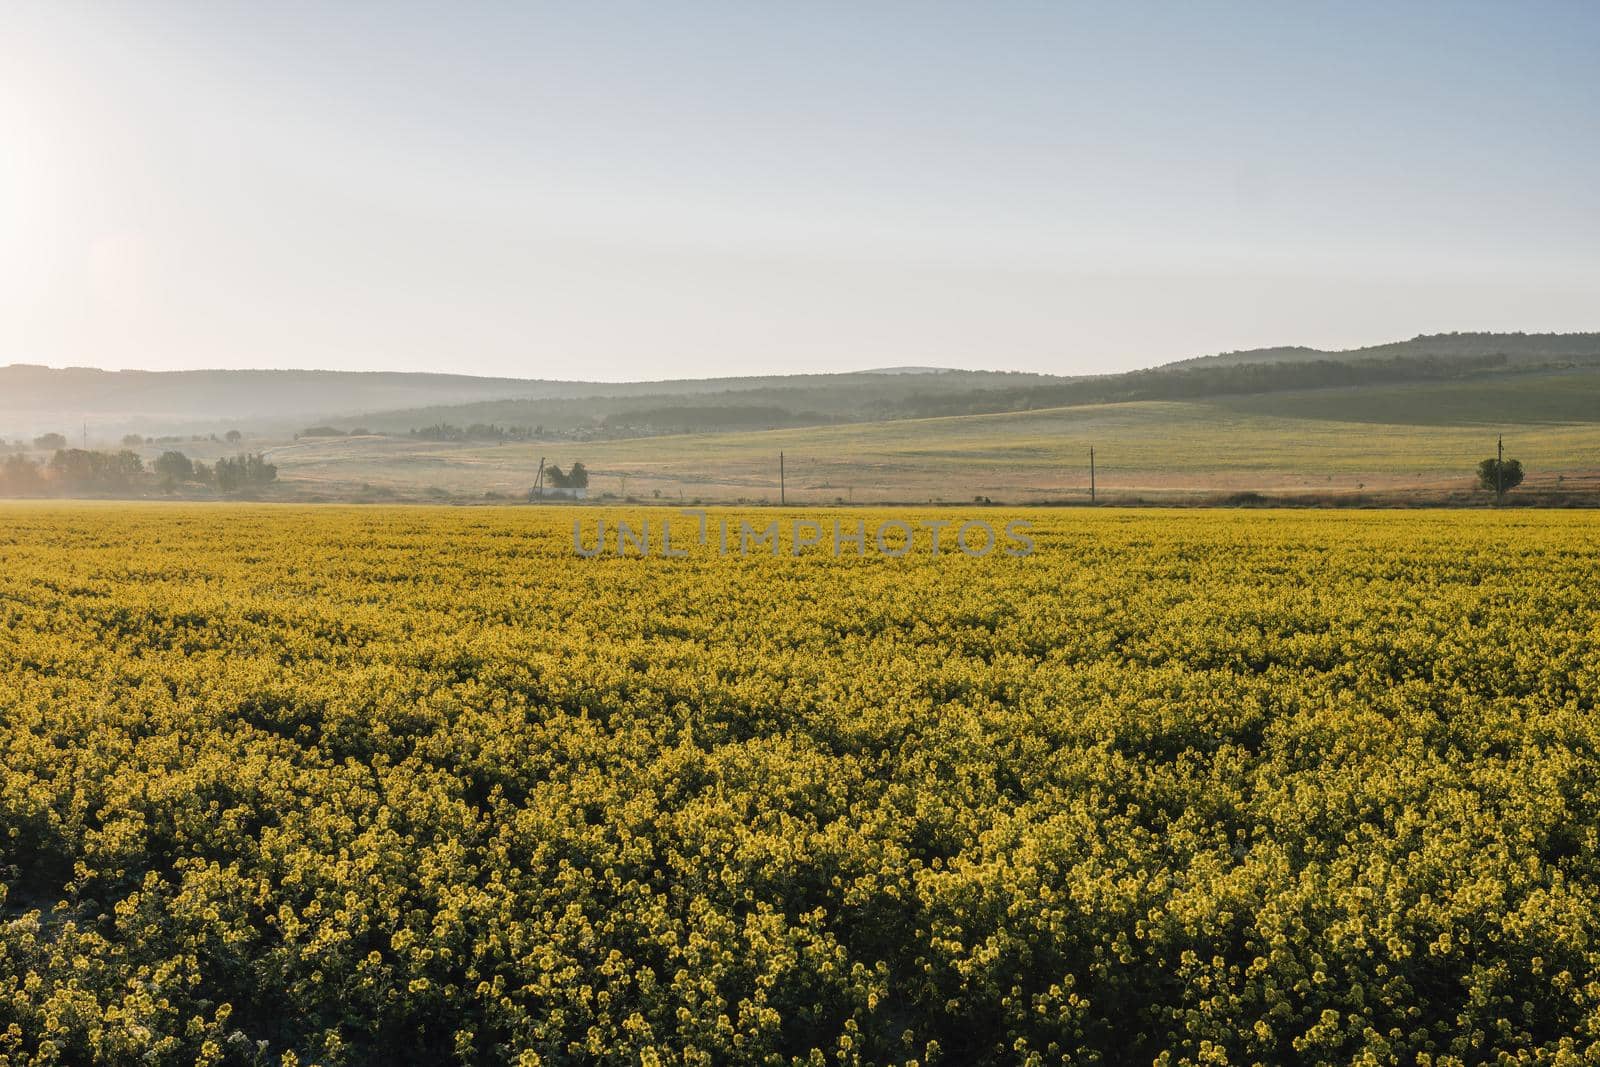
point(343, 786)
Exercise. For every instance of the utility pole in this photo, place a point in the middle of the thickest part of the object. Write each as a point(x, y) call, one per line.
point(1499, 469)
point(1091, 474)
point(86, 436)
point(783, 497)
point(538, 483)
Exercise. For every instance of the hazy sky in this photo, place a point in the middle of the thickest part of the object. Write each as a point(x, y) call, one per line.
point(680, 189)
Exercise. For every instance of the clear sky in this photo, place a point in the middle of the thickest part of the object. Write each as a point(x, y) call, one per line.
point(675, 189)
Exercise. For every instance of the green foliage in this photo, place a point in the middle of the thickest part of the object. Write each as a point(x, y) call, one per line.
point(576, 478)
point(241, 471)
point(1494, 475)
point(20, 476)
point(478, 431)
point(174, 466)
point(78, 469)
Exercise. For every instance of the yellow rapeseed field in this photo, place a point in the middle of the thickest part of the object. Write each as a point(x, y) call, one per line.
point(341, 785)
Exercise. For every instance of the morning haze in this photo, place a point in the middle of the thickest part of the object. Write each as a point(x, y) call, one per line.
point(645, 191)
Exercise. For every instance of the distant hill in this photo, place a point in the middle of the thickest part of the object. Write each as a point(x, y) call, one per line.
point(1516, 347)
point(38, 399)
point(1479, 363)
point(454, 407)
point(1326, 378)
point(720, 404)
point(42, 396)
point(1410, 420)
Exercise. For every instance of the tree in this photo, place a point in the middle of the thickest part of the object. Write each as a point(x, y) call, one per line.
point(49, 442)
point(1497, 476)
point(20, 476)
point(234, 437)
point(576, 478)
point(174, 467)
point(132, 440)
point(76, 467)
point(244, 470)
point(229, 477)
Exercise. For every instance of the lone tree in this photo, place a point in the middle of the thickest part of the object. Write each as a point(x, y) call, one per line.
point(1498, 475)
point(576, 478)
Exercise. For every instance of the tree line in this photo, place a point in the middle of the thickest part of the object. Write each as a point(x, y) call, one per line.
point(77, 470)
point(478, 431)
point(51, 442)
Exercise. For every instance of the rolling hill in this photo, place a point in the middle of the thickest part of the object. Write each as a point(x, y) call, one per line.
point(1516, 347)
point(36, 399)
point(1408, 421)
point(1414, 442)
